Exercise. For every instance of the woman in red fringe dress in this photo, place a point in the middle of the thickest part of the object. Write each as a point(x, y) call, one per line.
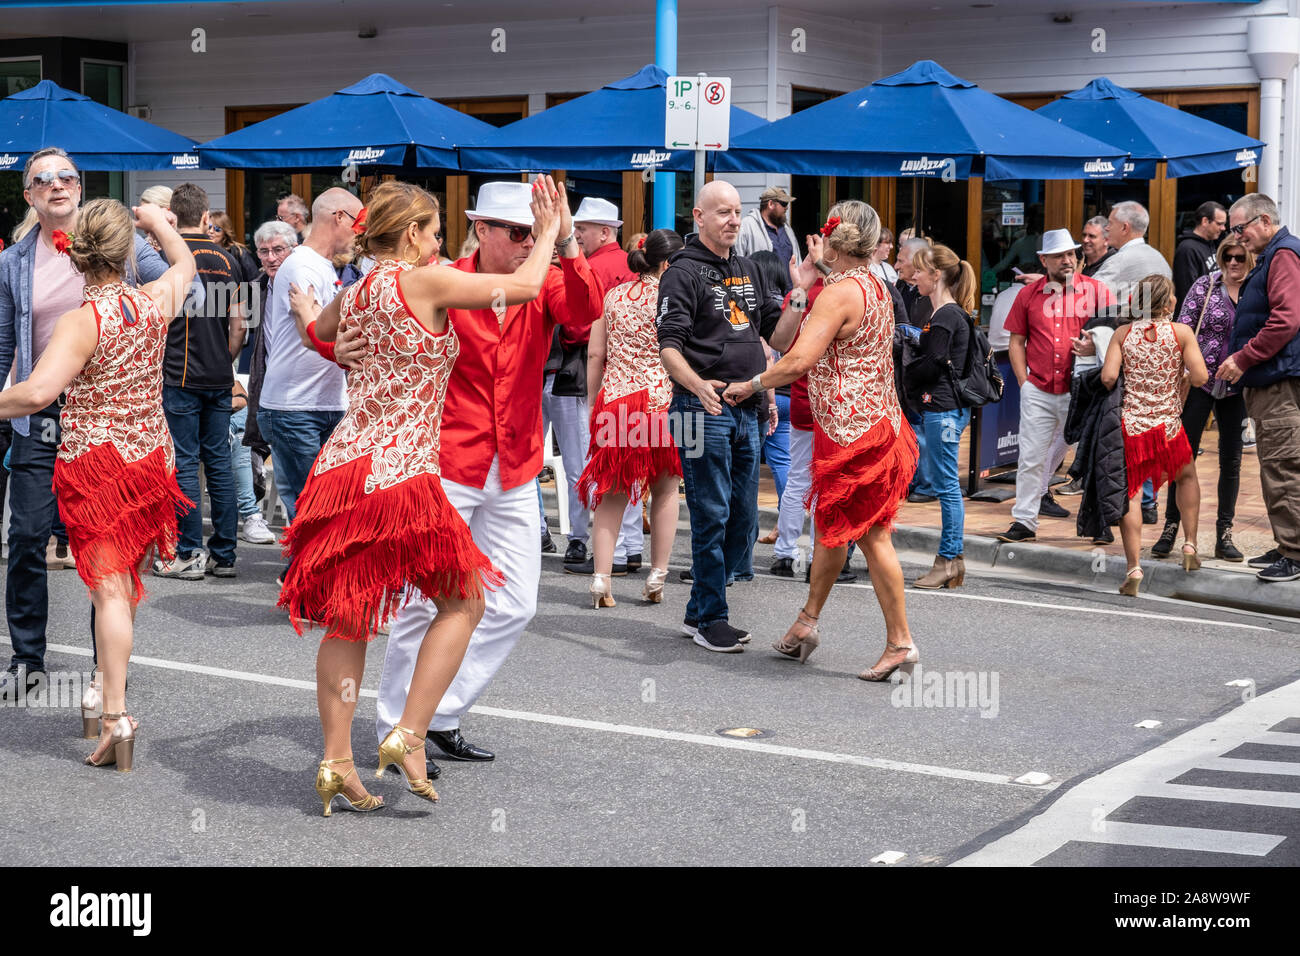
point(632, 450)
point(864, 452)
point(372, 517)
point(115, 475)
point(1160, 359)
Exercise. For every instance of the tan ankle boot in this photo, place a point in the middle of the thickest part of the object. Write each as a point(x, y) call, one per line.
point(946, 573)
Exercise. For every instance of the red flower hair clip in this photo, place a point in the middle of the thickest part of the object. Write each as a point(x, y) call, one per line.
point(831, 223)
point(359, 224)
point(640, 243)
point(61, 241)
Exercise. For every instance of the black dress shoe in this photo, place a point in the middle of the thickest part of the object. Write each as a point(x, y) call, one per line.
point(1017, 533)
point(576, 553)
point(548, 547)
point(634, 562)
point(1150, 516)
point(455, 747)
point(783, 567)
point(1106, 537)
point(917, 498)
point(431, 769)
point(1048, 508)
point(589, 567)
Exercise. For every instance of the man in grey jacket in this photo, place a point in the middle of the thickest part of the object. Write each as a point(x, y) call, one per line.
point(37, 285)
point(1133, 260)
point(767, 227)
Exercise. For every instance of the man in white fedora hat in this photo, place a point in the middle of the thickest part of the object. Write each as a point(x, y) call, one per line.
point(596, 223)
point(492, 451)
point(1046, 327)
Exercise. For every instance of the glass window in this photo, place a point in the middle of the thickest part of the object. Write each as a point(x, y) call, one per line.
point(104, 83)
point(19, 75)
point(1011, 230)
point(936, 207)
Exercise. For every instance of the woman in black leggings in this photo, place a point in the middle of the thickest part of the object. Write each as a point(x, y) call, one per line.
point(1210, 308)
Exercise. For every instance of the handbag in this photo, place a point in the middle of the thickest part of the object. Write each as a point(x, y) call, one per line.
point(571, 375)
point(980, 382)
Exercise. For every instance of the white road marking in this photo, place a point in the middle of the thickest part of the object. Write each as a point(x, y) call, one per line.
point(1186, 838)
point(1079, 815)
point(1250, 798)
point(876, 763)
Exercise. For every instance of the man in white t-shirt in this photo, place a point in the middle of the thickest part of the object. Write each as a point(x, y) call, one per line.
point(303, 395)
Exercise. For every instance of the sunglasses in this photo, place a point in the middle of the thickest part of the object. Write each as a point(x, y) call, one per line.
point(1238, 230)
point(1235, 257)
point(215, 229)
point(46, 179)
point(516, 233)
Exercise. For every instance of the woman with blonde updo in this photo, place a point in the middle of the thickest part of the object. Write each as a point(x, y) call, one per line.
point(115, 476)
point(864, 453)
point(373, 517)
point(1159, 359)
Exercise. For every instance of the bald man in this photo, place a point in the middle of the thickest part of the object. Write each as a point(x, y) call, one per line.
point(713, 308)
point(303, 395)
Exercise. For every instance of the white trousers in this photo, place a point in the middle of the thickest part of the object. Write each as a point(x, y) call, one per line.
point(631, 534)
point(1042, 449)
point(789, 520)
point(568, 415)
point(503, 524)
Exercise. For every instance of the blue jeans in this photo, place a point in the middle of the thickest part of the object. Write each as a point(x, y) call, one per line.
point(296, 438)
point(776, 446)
point(241, 463)
point(923, 482)
point(199, 420)
point(1148, 495)
point(942, 441)
point(720, 466)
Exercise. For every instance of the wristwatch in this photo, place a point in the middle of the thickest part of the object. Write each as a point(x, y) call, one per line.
point(756, 383)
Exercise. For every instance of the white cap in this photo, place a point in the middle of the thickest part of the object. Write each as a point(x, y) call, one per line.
point(504, 202)
point(600, 211)
point(1057, 241)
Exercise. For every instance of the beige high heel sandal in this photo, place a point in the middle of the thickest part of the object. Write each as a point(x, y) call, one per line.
point(121, 747)
point(1191, 559)
point(1132, 581)
point(906, 665)
point(654, 586)
point(804, 644)
point(601, 593)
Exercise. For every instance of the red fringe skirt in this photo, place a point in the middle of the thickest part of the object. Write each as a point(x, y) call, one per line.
point(630, 448)
point(116, 512)
point(1153, 455)
point(353, 552)
point(859, 486)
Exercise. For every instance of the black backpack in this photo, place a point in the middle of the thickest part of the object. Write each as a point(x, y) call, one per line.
point(980, 382)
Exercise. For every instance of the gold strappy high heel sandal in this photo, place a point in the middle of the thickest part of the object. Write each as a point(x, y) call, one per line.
point(802, 645)
point(906, 665)
point(393, 750)
point(121, 746)
point(1192, 558)
point(329, 784)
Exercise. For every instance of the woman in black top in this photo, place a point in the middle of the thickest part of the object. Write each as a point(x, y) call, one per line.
point(949, 282)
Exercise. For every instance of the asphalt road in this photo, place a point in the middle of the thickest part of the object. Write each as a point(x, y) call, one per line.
point(606, 725)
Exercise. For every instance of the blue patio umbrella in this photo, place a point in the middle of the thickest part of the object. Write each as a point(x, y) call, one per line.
point(376, 122)
point(617, 127)
point(922, 122)
point(1149, 132)
point(95, 136)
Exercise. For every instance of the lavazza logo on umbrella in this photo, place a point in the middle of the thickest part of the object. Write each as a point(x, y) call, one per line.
point(185, 161)
point(7, 160)
point(1099, 167)
point(923, 165)
point(1247, 157)
point(367, 155)
point(652, 158)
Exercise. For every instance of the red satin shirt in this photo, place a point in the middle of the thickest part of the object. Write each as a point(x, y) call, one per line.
point(494, 399)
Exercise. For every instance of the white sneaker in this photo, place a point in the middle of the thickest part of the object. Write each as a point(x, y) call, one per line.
point(187, 569)
point(255, 531)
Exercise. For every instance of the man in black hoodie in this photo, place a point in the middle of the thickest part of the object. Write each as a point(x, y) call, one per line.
point(713, 307)
point(1194, 256)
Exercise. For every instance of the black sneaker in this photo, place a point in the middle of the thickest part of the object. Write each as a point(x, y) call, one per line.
point(1017, 533)
point(691, 628)
point(783, 567)
point(721, 637)
point(589, 567)
point(634, 562)
point(1106, 537)
point(917, 498)
point(1266, 559)
point(685, 577)
point(1283, 569)
point(548, 547)
point(576, 553)
point(847, 574)
point(1072, 487)
point(1048, 508)
point(1150, 516)
point(1165, 546)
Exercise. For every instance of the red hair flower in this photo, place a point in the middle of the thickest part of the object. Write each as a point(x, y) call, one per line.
point(359, 224)
point(640, 243)
point(61, 241)
point(831, 223)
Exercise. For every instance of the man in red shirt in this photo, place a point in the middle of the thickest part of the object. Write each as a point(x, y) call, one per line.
point(1046, 327)
point(491, 451)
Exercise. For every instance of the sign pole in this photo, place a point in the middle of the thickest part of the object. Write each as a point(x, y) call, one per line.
point(699, 143)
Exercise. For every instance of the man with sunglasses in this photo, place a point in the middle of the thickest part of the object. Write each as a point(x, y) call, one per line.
point(768, 226)
point(492, 450)
point(37, 286)
point(1266, 361)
